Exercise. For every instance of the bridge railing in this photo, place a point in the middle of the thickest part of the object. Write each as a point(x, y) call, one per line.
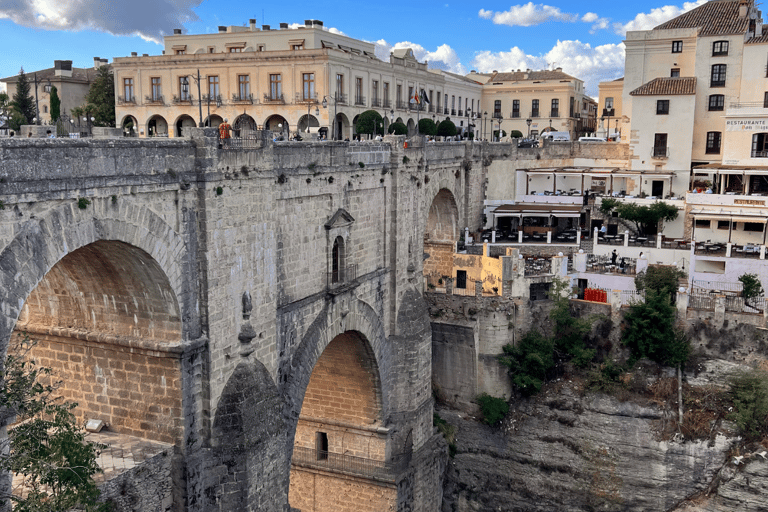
point(348, 464)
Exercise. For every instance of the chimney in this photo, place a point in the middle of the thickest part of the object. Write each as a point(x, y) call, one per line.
point(317, 23)
point(307, 23)
point(134, 54)
point(265, 27)
point(559, 69)
point(222, 28)
point(283, 26)
point(177, 31)
point(743, 8)
point(252, 23)
point(96, 62)
point(62, 68)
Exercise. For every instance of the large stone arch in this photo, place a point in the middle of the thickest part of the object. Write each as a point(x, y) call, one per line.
point(44, 241)
point(441, 232)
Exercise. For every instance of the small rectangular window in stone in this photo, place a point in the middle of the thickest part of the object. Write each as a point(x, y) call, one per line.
point(213, 86)
point(184, 88)
point(128, 89)
point(497, 108)
point(515, 108)
point(534, 108)
point(713, 143)
point(719, 48)
point(308, 80)
point(674, 72)
point(461, 279)
point(321, 445)
point(243, 86)
point(359, 100)
point(765, 99)
point(677, 46)
point(662, 107)
point(760, 145)
point(275, 86)
point(539, 291)
point(716, 102)
point(718, 75)
point(157, 88)
point(339, 87)
point(555, 109)
point(660, 145)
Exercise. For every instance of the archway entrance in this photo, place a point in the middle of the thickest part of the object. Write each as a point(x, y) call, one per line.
point(277, 125)
point(244, 126)
point(340, 446)
point(440, 236)
point(184, 123)
point(157, 126)
point(129, 126)
point(107, 322)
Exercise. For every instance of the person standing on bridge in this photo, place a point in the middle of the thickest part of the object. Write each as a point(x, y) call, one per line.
point(224, 129)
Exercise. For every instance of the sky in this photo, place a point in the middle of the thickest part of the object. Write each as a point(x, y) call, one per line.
point(585, 39)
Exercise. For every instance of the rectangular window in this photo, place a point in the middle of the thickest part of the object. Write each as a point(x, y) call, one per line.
point(534, 108)
point(359, 100)
point(308, 82)
point(375, 90)
point(716, 102)
point(321, 445)
point(453, 102)
point(276, 87)
point(718, 75)
point(702, 223)
point(213, 86)
point(674, 72)
point(181, 52)
point(555, 108)
point(128, 89)
point(399, 98)
point(660, 145)
point(515, 108)
point(760, 145)
point(765, 99)
point(157, 88)
point(754, 226)
point(713, 143)
point(244, 86)
point(572, 106)
point(438, 100)
point(297, 47)
point(184, 89)
point(723, 224)
point(236, 50)
point(677, 46)
point(385, 92)
point(608, 103)
point(339, 87)
point(719, 48)
point(662, 107)
point(497, 108)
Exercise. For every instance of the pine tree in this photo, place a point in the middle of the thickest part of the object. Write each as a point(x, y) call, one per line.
point(55, 104)
point(23, 100)
point(101, 98)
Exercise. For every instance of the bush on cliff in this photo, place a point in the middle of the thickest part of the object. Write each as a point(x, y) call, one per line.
point(749, 391)
point(529, 361)
point(494, 409)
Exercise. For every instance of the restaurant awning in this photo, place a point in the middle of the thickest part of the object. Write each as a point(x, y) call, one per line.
point(537, 210)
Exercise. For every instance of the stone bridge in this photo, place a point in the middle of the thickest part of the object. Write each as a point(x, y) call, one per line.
point(258, 309)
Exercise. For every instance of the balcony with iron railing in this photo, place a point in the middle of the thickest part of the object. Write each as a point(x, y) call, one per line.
point(348, 464)
point(446, 111)
point(340, 98)
point(515, 114)
point(660, 152)
point(461, 112)
point(430, 108)
point(154, 99)
point(375, 103)
point(270, 98)
point(217, 99)
point(301, 97)
point(386, 104)
point(554, 112)
point(758, 154)
point(534, 113)
point(402, 105)
point(453, 111)
point(359, 100)
point(126, 101)
point(187, 99)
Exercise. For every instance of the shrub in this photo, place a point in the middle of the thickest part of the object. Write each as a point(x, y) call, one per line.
point(494, 409)
point(427, 127)
point(83, 203)
point(749, 391)
point(751, 286)
point(398, 129)
point(569, 330)
point(448, 431)
point(529, 361)
point(446, 128)
point(368, 122)
point(516, 134)
point(650, 331)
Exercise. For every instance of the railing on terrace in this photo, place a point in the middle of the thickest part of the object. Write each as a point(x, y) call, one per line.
point(598, 264)
point(247, 142)
point(714, 287)
point(748, 104)
point(710, 249)
point(537, 267)
point(341, 277)
point(759, 154)
point(703, 302)
point(348, 464)
point(740, 305)
point(469, 291)
point(629, 297)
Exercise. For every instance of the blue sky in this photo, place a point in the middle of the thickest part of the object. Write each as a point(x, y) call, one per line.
point(485, 35)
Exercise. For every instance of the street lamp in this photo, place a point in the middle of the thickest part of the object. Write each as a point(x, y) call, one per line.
point(500, 118)
point(468, 115)
point(333, 124)
point(485, 133)
point(528, 122)
point(185, 93)
point(317, 114)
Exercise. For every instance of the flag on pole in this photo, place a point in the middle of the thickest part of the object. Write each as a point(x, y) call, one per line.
point(424, 96)
point(415, 98)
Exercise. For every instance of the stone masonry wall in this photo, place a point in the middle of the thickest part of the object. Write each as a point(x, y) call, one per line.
point(146, 487)
point(318, 491)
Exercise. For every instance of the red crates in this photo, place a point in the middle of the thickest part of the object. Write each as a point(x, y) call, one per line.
point(596, 295)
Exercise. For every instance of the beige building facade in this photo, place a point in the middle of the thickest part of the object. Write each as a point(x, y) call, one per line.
point(550, 99)
point(292, 81)
point(613, 122)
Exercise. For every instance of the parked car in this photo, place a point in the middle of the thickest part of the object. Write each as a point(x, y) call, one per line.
point(527, 143)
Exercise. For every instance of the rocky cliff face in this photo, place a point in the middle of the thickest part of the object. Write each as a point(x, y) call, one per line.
point(565, 452)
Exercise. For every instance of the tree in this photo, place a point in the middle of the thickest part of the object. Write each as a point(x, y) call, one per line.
point(101, 98)
point(569, 331)
point(645, 218)
point(516, 134)
point(496, 134)
point(368, 122)
point(398, 129)
point(749, 391)
point(529, 361)
point(55, 104)
point(751, 289)
point(427, 127)
point(650, 331)
point(45, 445)
point(446, 128)
point(661, 279)
point(16, 119)
point(23, 100)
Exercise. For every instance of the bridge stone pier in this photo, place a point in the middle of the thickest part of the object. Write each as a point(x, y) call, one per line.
point(258, 309)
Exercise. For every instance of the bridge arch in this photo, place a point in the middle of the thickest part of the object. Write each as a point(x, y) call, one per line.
point(441, 232)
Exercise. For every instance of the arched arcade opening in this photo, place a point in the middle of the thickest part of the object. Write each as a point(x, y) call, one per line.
point(340, 446)
point(441, 233)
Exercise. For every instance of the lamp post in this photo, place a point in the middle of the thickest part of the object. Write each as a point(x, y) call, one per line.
point(185, 92)
point(500, 118)
point(333, 123)
point(528, 122)
point(317, 113)
point(550, 125)
point(485, 118)
point(468, 115)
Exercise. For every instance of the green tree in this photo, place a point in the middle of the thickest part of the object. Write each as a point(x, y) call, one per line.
point(650, 331)
point(661, 279)
point(446, 128)
point(645, 218)
point(16, 119)
point(516, 134)
point(496, 134)
point(101, 98)
point(368, 122)
point(749, 391)
point(427, 127)
point(398, 129)
point(23, 100)
point(55, 104)
point(45, 446)
point(529, 361)
point(751, 289)
point(569, 331)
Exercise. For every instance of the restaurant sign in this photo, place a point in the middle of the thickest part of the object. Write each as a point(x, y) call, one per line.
point(746, 125)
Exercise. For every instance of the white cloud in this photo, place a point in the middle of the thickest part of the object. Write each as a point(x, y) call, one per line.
point(646, 21)
point(589, 17)
point(527, 15)
point(149, 19)
point(444, 57)
point(581, 60)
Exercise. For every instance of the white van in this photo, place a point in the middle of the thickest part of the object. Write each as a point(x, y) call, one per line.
point(592, 139)
point(557, 136)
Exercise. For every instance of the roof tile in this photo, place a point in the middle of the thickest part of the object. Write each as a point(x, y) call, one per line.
point(667, 86)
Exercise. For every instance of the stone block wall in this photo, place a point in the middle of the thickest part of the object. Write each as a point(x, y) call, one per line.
point(134, 390)
point(440, 261)
point(317, 491)
point(148, 486)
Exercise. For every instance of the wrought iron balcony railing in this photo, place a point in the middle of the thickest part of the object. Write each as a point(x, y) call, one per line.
point(348, 464)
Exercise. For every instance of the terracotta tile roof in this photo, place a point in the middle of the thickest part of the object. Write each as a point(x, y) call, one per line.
point(714, 18)
point(667, 86)
point(519, 76)
point(759, 40)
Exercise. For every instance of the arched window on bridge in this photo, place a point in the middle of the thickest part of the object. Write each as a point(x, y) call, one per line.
point(337, 261)
point(340, 271)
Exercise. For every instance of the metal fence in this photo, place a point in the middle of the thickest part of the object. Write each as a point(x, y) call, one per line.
point(348, 464)
point(703, 302)
point(739, 305)
point(629, 297)
point(703, 287)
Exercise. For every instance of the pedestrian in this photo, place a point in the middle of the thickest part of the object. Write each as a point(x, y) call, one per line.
point(50, 135)
point(224, 129)
point(603, 230)
point(623, 265)
point(614, 257)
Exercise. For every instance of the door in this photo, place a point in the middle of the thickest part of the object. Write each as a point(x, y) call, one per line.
point(461, 279)
point(657, 188)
